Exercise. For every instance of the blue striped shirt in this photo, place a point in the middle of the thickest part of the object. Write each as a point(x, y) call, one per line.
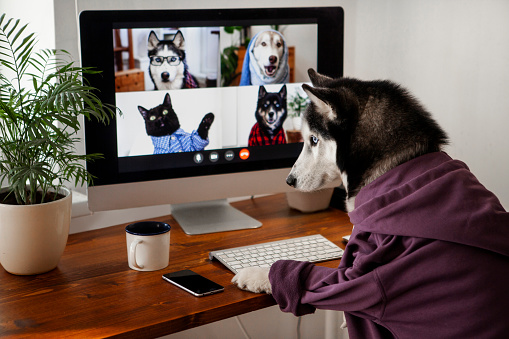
point(179, 141)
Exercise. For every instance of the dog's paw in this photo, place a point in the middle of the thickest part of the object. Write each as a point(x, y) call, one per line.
point(253, 279)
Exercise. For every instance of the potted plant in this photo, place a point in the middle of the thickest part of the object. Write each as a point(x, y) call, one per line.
point(42, 97)
point(296, 104)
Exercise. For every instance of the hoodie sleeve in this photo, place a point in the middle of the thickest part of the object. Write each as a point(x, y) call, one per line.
point(301, 288)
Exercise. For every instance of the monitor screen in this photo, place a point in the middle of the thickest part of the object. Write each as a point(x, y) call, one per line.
point(204, 94)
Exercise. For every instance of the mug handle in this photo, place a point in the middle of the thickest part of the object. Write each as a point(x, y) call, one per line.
point(132, 253)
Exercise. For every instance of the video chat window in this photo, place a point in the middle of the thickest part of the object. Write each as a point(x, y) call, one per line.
point(185, 89)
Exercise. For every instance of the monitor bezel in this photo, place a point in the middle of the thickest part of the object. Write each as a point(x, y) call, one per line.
point(96, 29)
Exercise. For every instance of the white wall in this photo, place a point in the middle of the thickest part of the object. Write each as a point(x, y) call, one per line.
point(38, 14)
point(45, 36)
point(453, 55)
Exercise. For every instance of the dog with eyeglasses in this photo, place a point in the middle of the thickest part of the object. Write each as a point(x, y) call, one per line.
point(168, 68)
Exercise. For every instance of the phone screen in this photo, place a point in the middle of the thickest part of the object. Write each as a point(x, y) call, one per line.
point(193, 283)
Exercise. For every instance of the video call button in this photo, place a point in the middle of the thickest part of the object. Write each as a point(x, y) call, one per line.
point(229, 155)
point(214, 156)
point(244, 153)
point(198, 158)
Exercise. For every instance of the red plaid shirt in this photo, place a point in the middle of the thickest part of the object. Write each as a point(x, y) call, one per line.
point(258, 138)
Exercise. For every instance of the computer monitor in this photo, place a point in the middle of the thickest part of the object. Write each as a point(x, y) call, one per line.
point(167, 70)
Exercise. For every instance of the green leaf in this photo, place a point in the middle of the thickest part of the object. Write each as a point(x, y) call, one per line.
point(18, 33)
point(34, 151)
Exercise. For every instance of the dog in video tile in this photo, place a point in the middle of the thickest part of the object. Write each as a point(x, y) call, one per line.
point(266, 60)
point(168, 67)
point(162, 125)
point(270, 115)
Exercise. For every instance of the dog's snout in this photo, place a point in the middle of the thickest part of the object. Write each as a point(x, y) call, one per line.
point(291, 180)
point(165, 76)
point(272, 59)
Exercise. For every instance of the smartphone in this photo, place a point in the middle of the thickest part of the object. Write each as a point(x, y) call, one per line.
point(193, 283)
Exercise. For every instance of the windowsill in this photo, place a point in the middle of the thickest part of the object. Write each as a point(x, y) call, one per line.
point(82, 219)
point(79, 205)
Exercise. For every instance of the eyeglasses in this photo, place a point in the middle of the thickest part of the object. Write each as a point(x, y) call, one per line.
point(158, 60)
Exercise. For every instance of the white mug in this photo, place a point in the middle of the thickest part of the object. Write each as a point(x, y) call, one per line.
point(148, 245)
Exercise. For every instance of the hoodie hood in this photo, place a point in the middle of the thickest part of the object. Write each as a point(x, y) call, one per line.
point(433, 197)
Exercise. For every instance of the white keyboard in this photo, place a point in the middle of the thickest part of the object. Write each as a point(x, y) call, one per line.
point(313, 248)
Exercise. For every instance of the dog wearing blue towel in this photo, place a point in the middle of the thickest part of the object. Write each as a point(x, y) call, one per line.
point(266, 60)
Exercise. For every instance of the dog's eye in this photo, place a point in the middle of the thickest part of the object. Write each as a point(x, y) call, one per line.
point(279, 44)
point(165, 112)
point(152, 117)
point(313, 140)
point(264, 43)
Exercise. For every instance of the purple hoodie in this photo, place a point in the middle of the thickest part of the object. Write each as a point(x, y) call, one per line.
point(428, 258)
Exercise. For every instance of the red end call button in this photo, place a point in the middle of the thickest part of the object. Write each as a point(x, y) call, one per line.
point(244, 153)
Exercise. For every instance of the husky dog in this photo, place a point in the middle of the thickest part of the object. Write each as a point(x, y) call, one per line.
point(168, 67)
point(163, 127)
point(360, 147)
point(266, 60)
point(270, 115)
point(428, 237)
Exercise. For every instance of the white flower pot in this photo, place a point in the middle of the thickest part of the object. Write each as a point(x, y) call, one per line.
point(308, 202)
point(33, 237)
point(297, 123)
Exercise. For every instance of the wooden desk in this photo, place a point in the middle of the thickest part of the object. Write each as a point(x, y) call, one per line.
point(93, 293)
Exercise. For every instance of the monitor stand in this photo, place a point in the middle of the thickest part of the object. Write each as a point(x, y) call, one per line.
point(211, 217)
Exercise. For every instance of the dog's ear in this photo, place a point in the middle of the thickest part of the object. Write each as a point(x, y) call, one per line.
point(318, 98)
point(261, 92)
point(152, 41)
point(143, 112)
point(328, 101)
point(179, 41)
point(317, 79)
point(337, 104)
point(282, 92)
point(167, 100)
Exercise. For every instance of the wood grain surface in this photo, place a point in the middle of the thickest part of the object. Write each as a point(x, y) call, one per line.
point(93, 293)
